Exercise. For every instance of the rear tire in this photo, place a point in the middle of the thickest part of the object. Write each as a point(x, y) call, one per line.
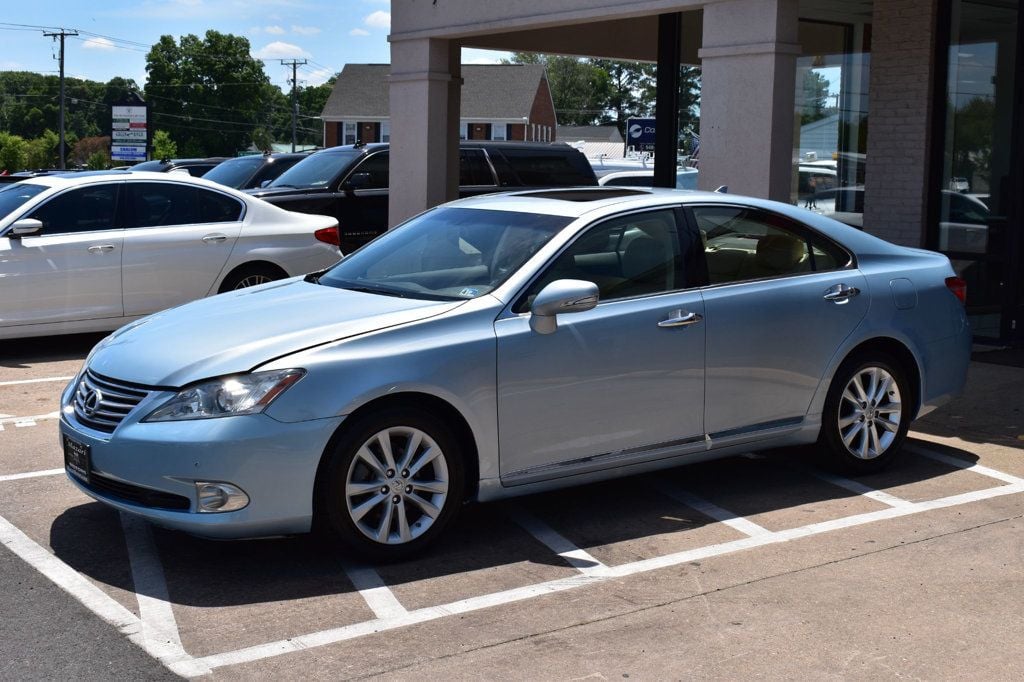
point(250, 276)
point(867, 414)
point(392, 483)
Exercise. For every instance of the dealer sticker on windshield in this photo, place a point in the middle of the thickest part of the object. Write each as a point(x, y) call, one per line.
point(469, 292)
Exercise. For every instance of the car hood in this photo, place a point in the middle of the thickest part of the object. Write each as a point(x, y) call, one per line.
point(240, 330)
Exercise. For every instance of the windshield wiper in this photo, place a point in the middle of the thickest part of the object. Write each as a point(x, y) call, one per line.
point(375, 290)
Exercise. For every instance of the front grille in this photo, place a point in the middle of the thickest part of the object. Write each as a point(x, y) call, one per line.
point(145, 497)
point(102, 403)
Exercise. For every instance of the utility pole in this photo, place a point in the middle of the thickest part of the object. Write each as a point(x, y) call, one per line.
point(294, 63)
point(62, 34)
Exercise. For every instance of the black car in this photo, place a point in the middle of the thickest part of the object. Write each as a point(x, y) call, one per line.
point(248, 172)
point(195, 167)
point(350, 183)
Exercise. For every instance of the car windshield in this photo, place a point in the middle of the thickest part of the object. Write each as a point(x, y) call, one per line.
point(446, 254)
point(235, 172)
point(14, 195)
point(316, 170)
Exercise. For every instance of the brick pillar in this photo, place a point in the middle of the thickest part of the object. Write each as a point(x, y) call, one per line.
point(899, 121)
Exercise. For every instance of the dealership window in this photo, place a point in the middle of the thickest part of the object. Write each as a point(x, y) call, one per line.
point(832, 119)
point(498, 131)
point(349, 136)
point(385, 131)
point(974, 226)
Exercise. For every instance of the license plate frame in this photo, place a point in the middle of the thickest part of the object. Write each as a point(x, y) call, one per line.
point(78, 459)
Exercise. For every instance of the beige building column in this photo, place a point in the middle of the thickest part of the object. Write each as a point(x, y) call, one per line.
point(896, 176)
point(424, 95)
point(748, 74)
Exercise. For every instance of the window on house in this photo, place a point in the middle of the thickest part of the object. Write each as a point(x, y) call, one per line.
point(350, 133)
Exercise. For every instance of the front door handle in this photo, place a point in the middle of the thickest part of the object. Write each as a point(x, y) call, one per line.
point(212, 238)
point(101, 248)
point(840, 294)
point(681, 318)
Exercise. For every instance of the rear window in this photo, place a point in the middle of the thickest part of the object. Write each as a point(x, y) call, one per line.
point(14, 195)
point(547, 168)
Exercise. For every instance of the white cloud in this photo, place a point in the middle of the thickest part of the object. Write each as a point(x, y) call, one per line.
point(305, 30)
point(274, 30)
point(378, 19)
point(280, 50)
point(98, 44)
point(316, 76)
point(477, 56)
point(358, 32)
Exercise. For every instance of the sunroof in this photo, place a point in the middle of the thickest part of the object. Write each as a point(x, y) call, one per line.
point(596, 194)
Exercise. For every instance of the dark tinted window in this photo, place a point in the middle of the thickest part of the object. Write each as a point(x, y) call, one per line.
point(153, 204)
point(199, 171)
point(742, 244)
point(235, 172)
point(545, 168)
point(79, 210)
point(14, 195)
point(372, 173)
point(317, 170)
point(154, 166)
point(632, 181)
point(473, 168)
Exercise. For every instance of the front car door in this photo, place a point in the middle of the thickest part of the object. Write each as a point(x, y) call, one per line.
point(177, 240)
point(71, 269)
point(621, 382)
point(776, 313)
point(364, 211)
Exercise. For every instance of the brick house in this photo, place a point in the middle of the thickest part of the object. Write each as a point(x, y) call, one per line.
point(499, 102)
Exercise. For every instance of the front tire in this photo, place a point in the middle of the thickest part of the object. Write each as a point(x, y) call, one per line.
point(393, 481)
point(867, 414)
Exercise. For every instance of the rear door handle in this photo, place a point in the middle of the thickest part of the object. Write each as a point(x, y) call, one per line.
point(101, 248)
point(212, 238)
point(840, 294)
point(681, 318)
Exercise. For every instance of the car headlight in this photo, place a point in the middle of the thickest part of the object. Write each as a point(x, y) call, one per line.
point(227, 396)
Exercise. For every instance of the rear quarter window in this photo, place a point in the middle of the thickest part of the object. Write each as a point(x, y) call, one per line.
point(547, 168)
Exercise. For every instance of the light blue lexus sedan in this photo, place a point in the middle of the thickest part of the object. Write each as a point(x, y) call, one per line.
point(507, 344)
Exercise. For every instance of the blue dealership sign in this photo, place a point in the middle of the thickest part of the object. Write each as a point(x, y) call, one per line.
point(640, 134)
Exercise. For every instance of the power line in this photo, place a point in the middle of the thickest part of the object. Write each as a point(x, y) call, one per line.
point(62, 34)
point(294, 63)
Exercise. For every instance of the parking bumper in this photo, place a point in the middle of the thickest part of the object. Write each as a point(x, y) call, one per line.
point(273, 462)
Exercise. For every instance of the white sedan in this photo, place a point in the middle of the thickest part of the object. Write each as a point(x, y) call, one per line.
point(88, 252)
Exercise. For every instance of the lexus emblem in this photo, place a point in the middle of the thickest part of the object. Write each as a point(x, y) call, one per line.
point(92, 400)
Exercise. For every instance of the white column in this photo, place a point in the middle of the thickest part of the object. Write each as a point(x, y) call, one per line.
point(748, 74)
point(424, 92)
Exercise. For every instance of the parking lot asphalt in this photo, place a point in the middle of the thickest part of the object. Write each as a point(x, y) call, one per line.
point(756, 566)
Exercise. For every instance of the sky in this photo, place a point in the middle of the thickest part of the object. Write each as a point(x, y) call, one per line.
point(328, 34)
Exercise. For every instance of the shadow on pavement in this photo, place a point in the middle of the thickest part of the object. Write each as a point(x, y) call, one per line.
point(207, 573)
point(23, 352)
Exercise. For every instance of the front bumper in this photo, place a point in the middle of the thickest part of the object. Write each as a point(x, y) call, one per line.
point(275, 463)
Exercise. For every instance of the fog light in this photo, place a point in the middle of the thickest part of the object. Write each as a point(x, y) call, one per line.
point(220, 497)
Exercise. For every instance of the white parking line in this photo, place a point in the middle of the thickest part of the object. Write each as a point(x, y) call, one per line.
point(94, 599)
point(378, 596)
point(30, 474)
point(159, 628)
point(857, 487)
point(578, 558)
point(348, 632)
point(711, 510)
point(35, 381)
point(964, 464)
point(31, 418)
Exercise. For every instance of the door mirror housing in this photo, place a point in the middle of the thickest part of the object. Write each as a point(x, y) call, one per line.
point(25, 227)
point(560, 297)
point(359, 180)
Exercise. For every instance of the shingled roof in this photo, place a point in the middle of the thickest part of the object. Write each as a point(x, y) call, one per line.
point(489, 91)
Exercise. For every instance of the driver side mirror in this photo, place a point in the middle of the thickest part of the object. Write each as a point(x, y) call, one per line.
point(25, 227)
point(264, 183)
point(360, 180)
point(560, 297)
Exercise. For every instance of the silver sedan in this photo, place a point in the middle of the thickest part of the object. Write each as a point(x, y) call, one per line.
point(514, 343)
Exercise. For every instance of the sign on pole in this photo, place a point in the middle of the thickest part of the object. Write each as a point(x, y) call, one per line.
point(129, 133)
point(640, 134)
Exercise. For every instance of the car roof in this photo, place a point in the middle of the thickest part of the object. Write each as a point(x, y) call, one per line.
point(86, 177)
point(576, 202)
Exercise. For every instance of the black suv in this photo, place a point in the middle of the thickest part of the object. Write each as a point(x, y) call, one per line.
point(350, 183)
point(195, 167)
point(258, 170)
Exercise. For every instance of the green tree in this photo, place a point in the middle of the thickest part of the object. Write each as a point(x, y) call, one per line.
point(98, 160)
point(86, 147)
point(209, 92)
point(579, 88)
point(13, 152)
point(163, 146)
point(42, 151)
point(813, 97)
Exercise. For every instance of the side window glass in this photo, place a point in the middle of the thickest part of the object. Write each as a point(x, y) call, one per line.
point(473, 168)
point(633, 255)
point(79, 210)
point(744, 244)
point(159, 204)
point(537, 168)
point(372, 173)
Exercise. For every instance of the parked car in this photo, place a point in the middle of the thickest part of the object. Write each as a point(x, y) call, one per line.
point(41, 172)
point(686, 178)
point(350, 182)
point(248, 172)
point(197, 168)
point(90, 251)
point(508, 344)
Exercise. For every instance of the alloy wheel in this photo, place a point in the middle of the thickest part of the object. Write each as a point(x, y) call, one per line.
point(252, 280)
point(869, 413)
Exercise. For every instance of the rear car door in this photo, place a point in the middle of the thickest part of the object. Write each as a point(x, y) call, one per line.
point(71, 270)
point(781, 299)
point(177, 239)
